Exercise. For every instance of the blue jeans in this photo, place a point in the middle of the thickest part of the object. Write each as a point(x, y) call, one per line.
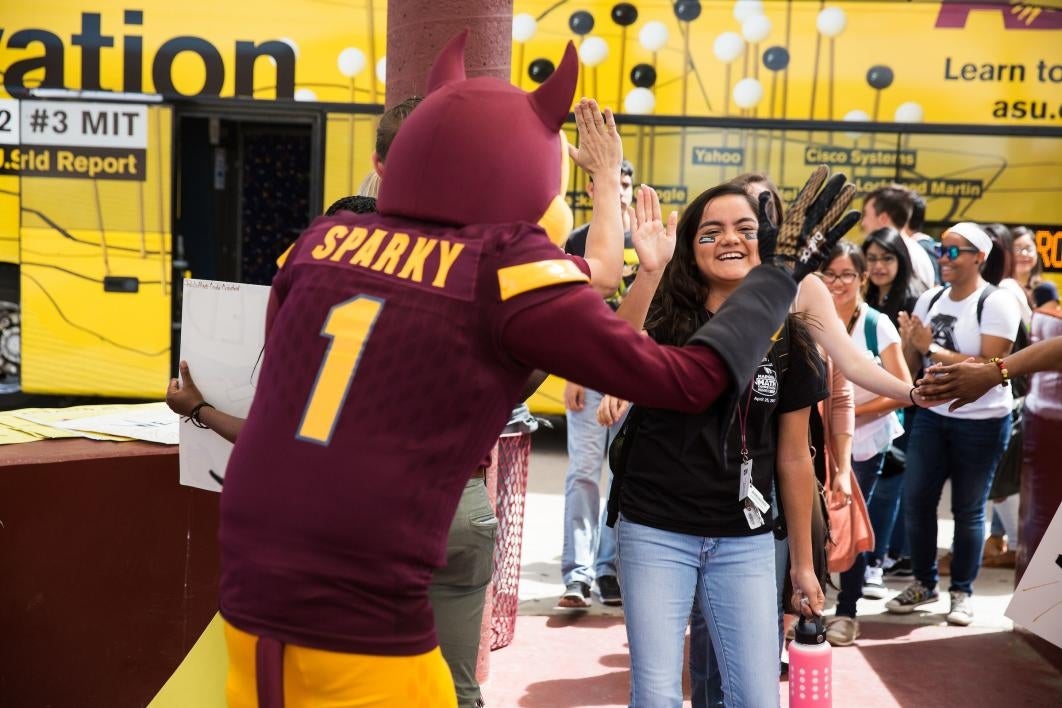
point(885, 517)
point(589, 546)
point(734, 582)
point(966, 452)
point(866, 475)
point(706, 683)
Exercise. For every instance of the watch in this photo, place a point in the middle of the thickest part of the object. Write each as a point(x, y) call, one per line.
point(933, 349)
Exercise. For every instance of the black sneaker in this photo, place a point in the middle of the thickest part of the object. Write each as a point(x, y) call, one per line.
point(609, 590)
point(576, 596)
point(914, 595)
point(900, 569)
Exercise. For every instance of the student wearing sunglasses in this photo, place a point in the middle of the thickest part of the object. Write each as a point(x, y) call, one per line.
point(951, 325)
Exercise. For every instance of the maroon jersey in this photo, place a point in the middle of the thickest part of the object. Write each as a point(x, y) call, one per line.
point(394, 355)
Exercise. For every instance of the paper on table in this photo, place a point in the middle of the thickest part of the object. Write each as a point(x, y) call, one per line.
point(51, 417)
point(10, 435)
point(222, 335)
point(153, 422)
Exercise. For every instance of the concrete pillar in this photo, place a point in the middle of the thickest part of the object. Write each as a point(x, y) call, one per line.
point(418, 29)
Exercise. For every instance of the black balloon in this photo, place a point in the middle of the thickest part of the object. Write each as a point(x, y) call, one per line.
point(540, 70)
point(643, 76)
point(581, 22)
point(624, 14)
point(687, 10)
point(776, 58)
point(880, 77)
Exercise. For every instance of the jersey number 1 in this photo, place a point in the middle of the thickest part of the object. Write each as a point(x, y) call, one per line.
point(348, 325)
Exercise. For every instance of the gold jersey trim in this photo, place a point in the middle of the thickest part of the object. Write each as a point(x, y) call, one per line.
point(518, 279)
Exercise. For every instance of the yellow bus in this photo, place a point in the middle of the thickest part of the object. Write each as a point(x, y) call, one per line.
point(141, 143)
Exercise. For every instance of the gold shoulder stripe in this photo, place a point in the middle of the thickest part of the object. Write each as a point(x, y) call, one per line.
point(778, 333)
point(514, 280)
point(283, 257)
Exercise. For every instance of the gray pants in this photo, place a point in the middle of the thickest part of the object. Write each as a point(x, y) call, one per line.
point(459, 588)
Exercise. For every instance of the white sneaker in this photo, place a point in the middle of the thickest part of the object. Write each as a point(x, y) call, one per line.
point(873, 583)
point(961, 611)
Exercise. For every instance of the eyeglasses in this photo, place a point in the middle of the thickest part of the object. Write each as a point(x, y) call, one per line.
point(1025, 251)
point(952, 252)
point(886, 259)
point(848, 277)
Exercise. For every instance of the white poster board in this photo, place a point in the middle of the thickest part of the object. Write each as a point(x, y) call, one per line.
point(222, 335)
point(1037, 601)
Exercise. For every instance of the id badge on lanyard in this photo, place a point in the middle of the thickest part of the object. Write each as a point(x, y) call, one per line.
point(755, 506)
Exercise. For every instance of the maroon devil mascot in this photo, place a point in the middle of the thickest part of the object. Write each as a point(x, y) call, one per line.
point(397, 344)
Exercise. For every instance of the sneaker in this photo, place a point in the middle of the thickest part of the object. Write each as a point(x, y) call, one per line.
point(576, 596)
point(609, 590)
point(887, 563)
point(873, 583)
point(914, 595)
point(961, 612)
point(841, 631)
point(899, 568)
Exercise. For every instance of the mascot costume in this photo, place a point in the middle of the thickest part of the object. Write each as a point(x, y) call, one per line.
point(397, 344)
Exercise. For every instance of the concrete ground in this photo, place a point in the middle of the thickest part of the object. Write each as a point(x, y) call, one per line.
point(563, 660)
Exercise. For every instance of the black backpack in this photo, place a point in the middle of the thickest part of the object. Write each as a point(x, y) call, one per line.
point(1021, 338)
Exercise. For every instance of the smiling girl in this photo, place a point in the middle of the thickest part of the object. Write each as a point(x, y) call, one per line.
point(877, 424)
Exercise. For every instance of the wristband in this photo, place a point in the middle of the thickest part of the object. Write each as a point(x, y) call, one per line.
point(194, 415)
point(910, 394)
point(1002, 370)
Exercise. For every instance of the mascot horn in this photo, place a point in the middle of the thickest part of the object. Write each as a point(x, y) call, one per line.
point(481, 151)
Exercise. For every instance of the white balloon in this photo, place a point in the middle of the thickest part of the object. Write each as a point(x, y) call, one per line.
point(381, 69)
point(305, 95)
point(910, 112)
point(653, 36)
point(728, 46)
point(756, 28)
point(351, 62)
point(593, 51)
point(524, 26)
point(748, 93)
point(856, 116)
point(639, 100)
point(831, 21)
point(744, 9)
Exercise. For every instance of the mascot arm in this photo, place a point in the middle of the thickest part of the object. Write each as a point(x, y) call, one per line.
point(601, 351)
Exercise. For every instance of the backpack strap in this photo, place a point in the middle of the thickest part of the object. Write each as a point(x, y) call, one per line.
point(989, 289)
point(933, 301)
point(870, 330)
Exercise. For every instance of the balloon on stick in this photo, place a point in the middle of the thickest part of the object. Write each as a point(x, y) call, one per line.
point(728, 47)
point(524, 27)
point(581, 22)
point(830, 23)
point(623, 14)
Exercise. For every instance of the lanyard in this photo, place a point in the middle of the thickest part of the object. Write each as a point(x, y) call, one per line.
point(742, 420)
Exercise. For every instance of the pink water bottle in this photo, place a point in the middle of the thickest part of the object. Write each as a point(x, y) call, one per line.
point(810, 664)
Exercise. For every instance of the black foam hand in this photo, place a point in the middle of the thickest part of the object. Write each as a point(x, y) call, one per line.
point(813, 224)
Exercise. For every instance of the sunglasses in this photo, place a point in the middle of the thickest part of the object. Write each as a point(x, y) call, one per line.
point(952, 252)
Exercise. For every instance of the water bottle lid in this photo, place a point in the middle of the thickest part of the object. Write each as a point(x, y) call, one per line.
point(810, 631)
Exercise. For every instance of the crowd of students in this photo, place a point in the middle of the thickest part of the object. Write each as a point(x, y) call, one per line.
point(720, 455)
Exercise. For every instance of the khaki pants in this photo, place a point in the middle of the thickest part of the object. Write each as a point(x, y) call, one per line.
point(459, 588)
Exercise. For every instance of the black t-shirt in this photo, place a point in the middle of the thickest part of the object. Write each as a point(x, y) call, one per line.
point(676, 478)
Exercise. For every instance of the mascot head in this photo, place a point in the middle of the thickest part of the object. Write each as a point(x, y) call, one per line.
point(481, 151)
